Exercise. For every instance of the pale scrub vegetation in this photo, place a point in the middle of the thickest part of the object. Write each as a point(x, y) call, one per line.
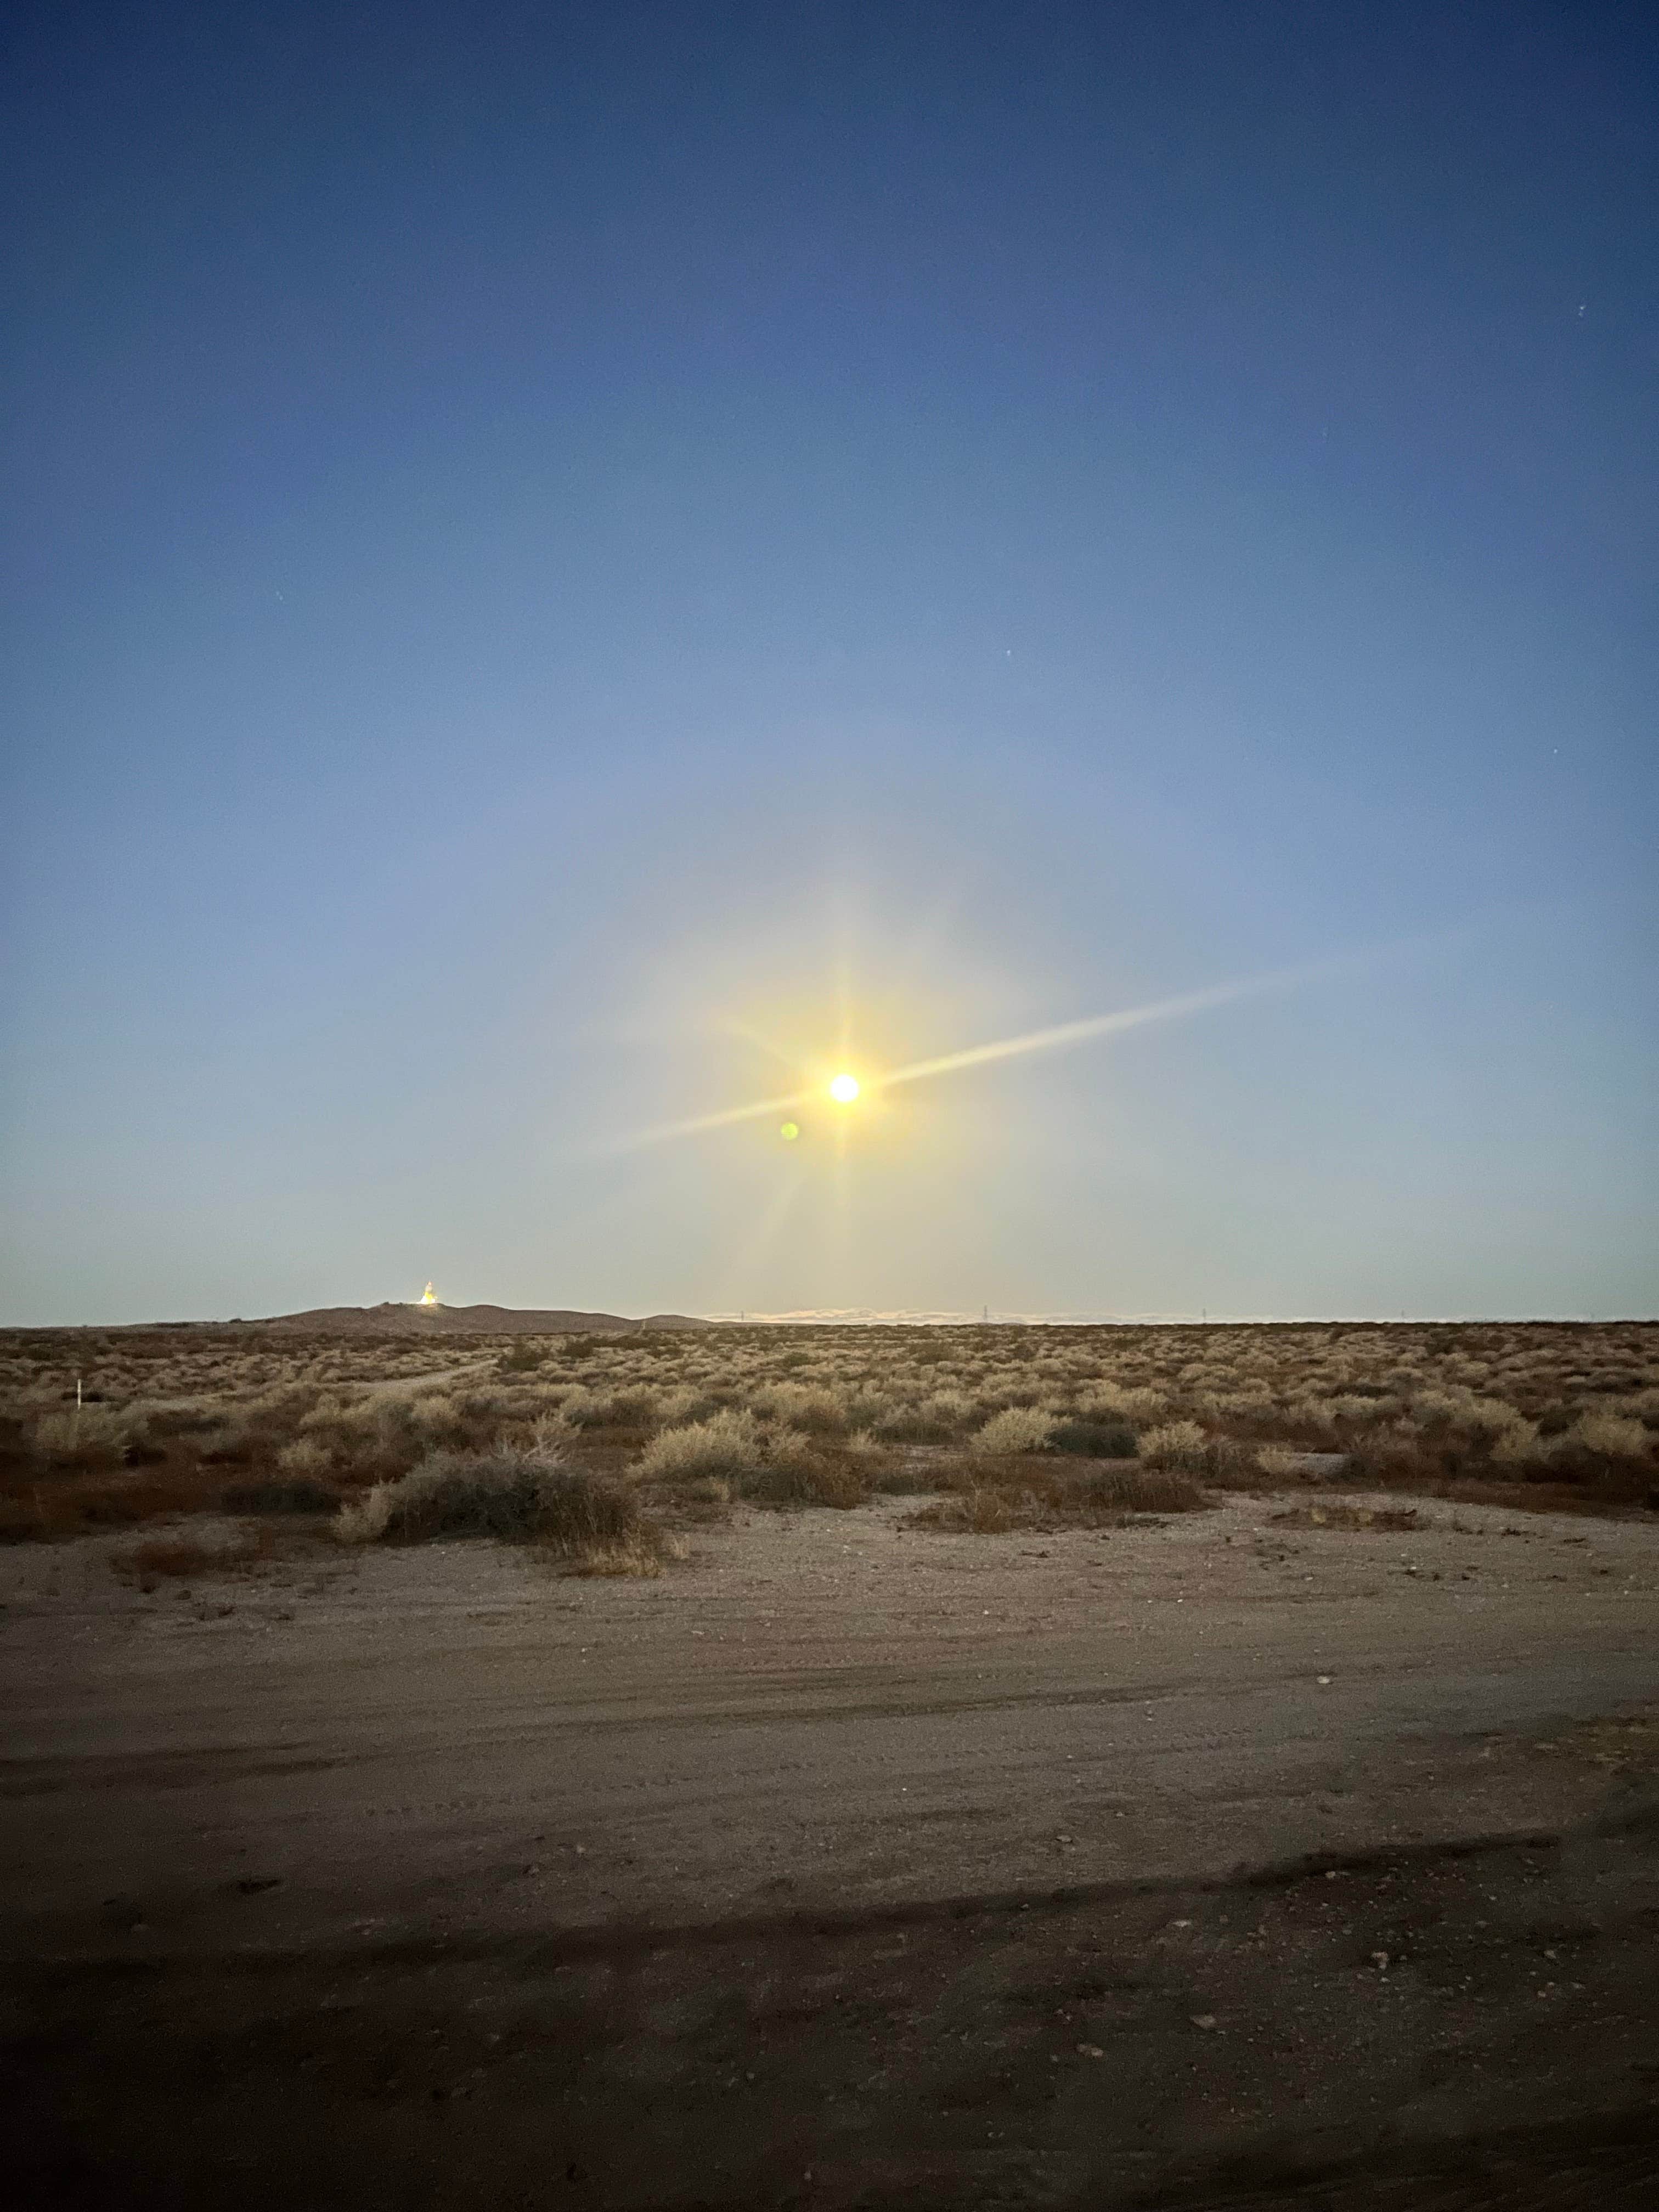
point(598, 1448)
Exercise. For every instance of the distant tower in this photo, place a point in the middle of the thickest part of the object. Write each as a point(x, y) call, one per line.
point(429, 1296)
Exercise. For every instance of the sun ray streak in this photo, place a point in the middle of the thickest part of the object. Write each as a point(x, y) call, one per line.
point(745, 1262)
point(1080, 1032)
point(751, 1036)
point(1056, 1038)
point(664, 1132)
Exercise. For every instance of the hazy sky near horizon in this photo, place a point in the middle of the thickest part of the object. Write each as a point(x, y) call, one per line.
point(563, 563)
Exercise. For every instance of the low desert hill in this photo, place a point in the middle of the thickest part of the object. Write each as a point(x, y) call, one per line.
point(393, 1319)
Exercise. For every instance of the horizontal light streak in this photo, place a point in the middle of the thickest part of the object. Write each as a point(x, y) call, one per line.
point(1055, 1038)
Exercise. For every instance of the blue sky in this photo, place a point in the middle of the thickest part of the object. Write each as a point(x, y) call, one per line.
point(556, 554)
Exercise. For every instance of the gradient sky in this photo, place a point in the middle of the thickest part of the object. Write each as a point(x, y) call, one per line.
point(556, 555)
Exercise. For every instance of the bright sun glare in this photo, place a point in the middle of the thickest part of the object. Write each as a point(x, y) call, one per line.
point(845, 1088)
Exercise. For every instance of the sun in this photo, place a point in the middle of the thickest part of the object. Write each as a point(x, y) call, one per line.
point(844, 1089)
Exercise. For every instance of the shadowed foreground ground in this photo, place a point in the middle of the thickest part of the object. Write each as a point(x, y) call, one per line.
point(1233, 1862)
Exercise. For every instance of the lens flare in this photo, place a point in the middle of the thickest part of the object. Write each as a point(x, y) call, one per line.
point(845, 1088)
point(789, 1132)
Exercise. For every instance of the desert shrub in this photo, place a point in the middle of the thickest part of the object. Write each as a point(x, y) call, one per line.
point(388, 1431)
point(913, 1425)
point(865, 1447)
point(281, 1405)
point(1114, 1400)
point(866, 1406)
point(1519, 1446)
point(1612, 1436)
point(306, 1460)
point(788, 1447)
point(522, 1358)
point(634, 1405)
point(797, 1472)
point(1016, 1428)
point(708, 1489)
point(585, 1408)
point(1279, 1463)
point(815, 1411)
point(524, 1494)
point(977, 1512)
point(1096, 1439)
point(186, 1557)
point(1175, 1443)
point(1057, 1497)
point(1384, 1519)
point(632, 1557)
point(122, 1501)
point(1146, 1489)
point(365, 1520)
point(1462, 1409)
point(903, 1482)
point(1359, 1409)
point(297, 1495)
point(233, 1446)
point(684, 1404)
point(728, 1443)
point(81, 1434)
point(837, 1483)
point(955, 1406)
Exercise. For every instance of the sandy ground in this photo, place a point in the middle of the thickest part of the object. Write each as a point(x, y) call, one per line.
point(847, 1863)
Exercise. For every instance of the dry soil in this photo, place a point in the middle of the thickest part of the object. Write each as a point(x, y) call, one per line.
point(1240, 1859)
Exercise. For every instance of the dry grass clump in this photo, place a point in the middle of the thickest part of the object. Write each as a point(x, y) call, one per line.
point(365, 1520)
point(297, 1494)
point(1395, 1519)
point(1279, 1463)
point(1174, 1443)
point(1465, 1410)
point(1016, 1428)
point(682, 1404)
point(47, 1511)
point(640, 1556)
point(1146, 1489)
point(812, 1409)
point(526, 1495)
point(305, 1459)
point(1105, 1497)
point(1612, 1436)
point(84, 1436)
point(985, 1496)
point(189, 1558)
point(979, 1512)
point(1108, 1401)
point(727, 1445)
point(794, 1474)
point(932, 1420)
point(1096, 1439)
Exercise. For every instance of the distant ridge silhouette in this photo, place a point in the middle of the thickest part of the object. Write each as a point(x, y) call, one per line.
point(415, 1320)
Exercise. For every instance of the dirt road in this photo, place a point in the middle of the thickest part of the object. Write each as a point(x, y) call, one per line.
point(937, 1869)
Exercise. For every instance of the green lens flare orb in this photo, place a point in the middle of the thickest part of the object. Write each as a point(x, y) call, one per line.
point(789, 1132)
